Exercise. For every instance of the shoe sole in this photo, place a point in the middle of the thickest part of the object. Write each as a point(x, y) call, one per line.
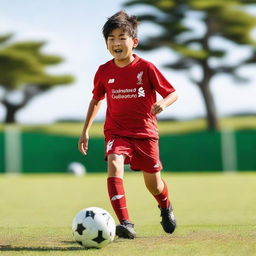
point(123, 232)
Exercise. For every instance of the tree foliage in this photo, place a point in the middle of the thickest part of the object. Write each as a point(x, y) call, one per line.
point(226, 20)
point(23, 69)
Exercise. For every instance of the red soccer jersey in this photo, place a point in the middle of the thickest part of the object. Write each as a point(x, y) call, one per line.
point(131, 92)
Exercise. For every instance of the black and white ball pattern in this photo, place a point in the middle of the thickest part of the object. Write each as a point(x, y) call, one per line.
point(93, 227)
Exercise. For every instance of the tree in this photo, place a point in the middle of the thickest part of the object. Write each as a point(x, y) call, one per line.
point(225, 20)
point(23, 72)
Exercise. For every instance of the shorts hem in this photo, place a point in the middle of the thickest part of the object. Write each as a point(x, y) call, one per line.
point(124, 154)
point(152, 171)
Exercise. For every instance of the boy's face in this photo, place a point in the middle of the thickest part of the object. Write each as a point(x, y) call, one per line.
point(121, 45)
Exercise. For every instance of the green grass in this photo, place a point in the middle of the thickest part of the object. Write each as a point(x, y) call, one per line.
point(215, 214)
point(165, 127)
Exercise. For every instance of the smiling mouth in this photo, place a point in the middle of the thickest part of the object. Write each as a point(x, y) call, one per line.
point(118, 51)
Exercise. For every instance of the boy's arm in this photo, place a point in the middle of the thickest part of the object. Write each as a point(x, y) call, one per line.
point(93, 109)
point(160, 105)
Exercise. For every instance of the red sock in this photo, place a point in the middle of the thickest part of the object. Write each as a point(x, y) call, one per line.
point(163, 198)
point(117, 197)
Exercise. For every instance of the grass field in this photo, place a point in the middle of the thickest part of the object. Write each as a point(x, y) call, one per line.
point(216, 215)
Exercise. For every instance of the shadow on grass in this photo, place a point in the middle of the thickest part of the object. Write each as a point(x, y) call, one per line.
point(9, 247)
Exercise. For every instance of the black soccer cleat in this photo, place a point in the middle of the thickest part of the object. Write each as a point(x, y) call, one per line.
point(168, 220)
point(125, 230)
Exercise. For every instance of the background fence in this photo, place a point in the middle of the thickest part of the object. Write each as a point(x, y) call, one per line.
point(200, 151)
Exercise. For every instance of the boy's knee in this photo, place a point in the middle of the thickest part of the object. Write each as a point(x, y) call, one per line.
point(115, 165)
point(115, 160)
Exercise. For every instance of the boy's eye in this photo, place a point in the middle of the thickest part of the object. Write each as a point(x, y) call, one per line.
point(123, 38)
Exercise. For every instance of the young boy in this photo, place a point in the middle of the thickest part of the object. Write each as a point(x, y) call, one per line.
point(130, 85)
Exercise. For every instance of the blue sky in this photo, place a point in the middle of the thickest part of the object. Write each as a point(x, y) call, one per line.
point(73, 30)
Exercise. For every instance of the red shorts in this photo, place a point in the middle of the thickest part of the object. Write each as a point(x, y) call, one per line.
point(141, 154)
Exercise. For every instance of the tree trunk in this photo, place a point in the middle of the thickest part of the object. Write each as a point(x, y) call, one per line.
point(212, 120)
point(11, 109)
point(10, 114)
point(204, 85)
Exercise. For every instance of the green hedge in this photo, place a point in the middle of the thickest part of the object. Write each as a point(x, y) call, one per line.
point(246, 149)
point(191, 152)
point(51, 153)
point(199, 151)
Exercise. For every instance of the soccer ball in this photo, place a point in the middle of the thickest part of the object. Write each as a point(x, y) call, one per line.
point(93, 227)
point(77, 169)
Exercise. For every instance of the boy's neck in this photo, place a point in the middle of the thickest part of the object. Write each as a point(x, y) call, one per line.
point(124, 62)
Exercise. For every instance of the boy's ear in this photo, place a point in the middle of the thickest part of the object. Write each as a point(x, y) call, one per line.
point(136, 42)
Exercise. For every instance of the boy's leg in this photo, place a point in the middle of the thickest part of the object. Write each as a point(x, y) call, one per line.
point(158, 188)
point(115, 186)
point(117, 195)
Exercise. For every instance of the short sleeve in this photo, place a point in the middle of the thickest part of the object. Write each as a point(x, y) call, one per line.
point(99, 89)
point(159, 82)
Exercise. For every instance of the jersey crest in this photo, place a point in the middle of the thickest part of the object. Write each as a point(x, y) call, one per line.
point(139, 78)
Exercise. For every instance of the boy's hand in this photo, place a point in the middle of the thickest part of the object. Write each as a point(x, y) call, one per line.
point(157, 108)
point(83, 144)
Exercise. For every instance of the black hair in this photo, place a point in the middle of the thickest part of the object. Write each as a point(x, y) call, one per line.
point(123, 21)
